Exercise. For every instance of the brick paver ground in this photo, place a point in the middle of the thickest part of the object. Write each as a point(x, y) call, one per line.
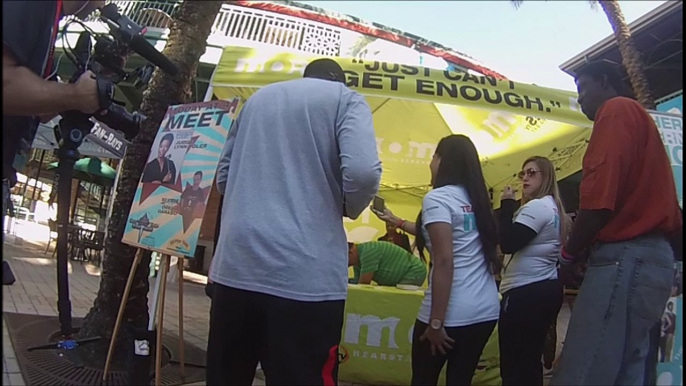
point(35, 292)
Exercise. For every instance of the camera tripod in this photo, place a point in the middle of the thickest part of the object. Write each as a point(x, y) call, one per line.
point(70, 131)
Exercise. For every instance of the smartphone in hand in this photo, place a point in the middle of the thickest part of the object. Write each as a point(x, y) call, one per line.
point(378, 204)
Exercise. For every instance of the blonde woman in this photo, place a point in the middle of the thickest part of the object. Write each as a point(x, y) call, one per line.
point(531, 291)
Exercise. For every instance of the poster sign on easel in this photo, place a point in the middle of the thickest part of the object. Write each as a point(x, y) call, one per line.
point(172, 195)
point(169, 206)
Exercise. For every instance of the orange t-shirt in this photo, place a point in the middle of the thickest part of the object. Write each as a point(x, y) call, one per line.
point(626, 170)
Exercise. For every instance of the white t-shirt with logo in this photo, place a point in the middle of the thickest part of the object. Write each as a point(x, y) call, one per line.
point(474, 295)
point(537, 261)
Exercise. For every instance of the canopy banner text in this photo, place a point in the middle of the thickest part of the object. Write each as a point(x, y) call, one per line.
point(248, 67)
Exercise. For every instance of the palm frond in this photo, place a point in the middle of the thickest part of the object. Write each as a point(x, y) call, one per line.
point(517, 3)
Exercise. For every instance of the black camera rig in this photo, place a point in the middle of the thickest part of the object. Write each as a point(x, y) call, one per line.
point(106, 59)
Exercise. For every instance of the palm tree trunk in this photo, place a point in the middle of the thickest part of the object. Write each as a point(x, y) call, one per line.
point(187, 41)
point(631, 58)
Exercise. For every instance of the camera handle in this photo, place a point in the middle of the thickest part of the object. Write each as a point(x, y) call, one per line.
point(105, 92)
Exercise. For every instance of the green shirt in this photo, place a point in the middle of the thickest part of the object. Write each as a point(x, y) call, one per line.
point(390, 263)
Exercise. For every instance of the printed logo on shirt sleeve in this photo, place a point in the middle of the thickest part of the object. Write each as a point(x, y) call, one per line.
point(435, 212)
point(528, 216)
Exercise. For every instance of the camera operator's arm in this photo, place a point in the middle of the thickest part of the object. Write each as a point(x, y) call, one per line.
point(26, 94)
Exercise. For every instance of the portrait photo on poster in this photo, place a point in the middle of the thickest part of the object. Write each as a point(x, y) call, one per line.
point(166, 158)
point(668, 332)
point(193, 196)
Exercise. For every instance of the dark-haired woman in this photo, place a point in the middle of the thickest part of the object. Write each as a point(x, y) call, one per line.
point(461, 306)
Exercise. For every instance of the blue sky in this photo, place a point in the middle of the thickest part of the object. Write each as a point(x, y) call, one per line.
point(526, 44)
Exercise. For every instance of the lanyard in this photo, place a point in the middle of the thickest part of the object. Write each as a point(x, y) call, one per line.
point(53, 40)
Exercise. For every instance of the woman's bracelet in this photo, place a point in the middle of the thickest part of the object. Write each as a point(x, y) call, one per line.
point(400, 224)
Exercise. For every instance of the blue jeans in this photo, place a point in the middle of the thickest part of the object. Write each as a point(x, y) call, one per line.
point(650, 378)
point(623, 295)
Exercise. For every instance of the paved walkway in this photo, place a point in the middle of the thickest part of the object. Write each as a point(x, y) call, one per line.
point(35, 292)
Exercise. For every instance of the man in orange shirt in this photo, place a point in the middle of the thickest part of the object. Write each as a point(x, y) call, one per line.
point(629, 215)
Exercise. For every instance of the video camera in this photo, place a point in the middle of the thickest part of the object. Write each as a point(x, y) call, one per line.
point(106, 59)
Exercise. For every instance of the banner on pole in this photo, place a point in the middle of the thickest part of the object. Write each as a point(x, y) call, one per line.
point(672, 133)
point(673, 106)
point(171, 198)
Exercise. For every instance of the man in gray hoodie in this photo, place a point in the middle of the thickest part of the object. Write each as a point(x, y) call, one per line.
point(300, 156)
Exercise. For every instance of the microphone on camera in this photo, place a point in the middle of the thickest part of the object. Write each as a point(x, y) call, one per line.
point(146, 50)
point(132, 34)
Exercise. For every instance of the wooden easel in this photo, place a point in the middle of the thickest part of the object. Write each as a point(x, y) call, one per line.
point(157, 313)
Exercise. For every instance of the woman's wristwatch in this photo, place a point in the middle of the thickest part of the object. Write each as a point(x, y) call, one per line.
point(436, 324)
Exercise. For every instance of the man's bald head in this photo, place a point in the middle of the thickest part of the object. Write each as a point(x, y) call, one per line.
point(325, 69)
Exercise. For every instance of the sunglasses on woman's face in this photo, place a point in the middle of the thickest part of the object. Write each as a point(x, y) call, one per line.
point(528, 172)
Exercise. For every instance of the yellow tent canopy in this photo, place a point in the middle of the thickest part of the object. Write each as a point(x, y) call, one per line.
point(414, 107)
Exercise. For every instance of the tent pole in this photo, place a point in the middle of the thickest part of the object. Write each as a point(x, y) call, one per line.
point(35, 185)
point(76, 199)
point(23, 192)
point(102, 199)
point(210, 89)
point(209, 93)
point(113, 192)
point(88, 199)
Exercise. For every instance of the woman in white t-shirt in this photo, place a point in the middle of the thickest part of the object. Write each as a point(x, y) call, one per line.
point(460, 307)
point(531, 292)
